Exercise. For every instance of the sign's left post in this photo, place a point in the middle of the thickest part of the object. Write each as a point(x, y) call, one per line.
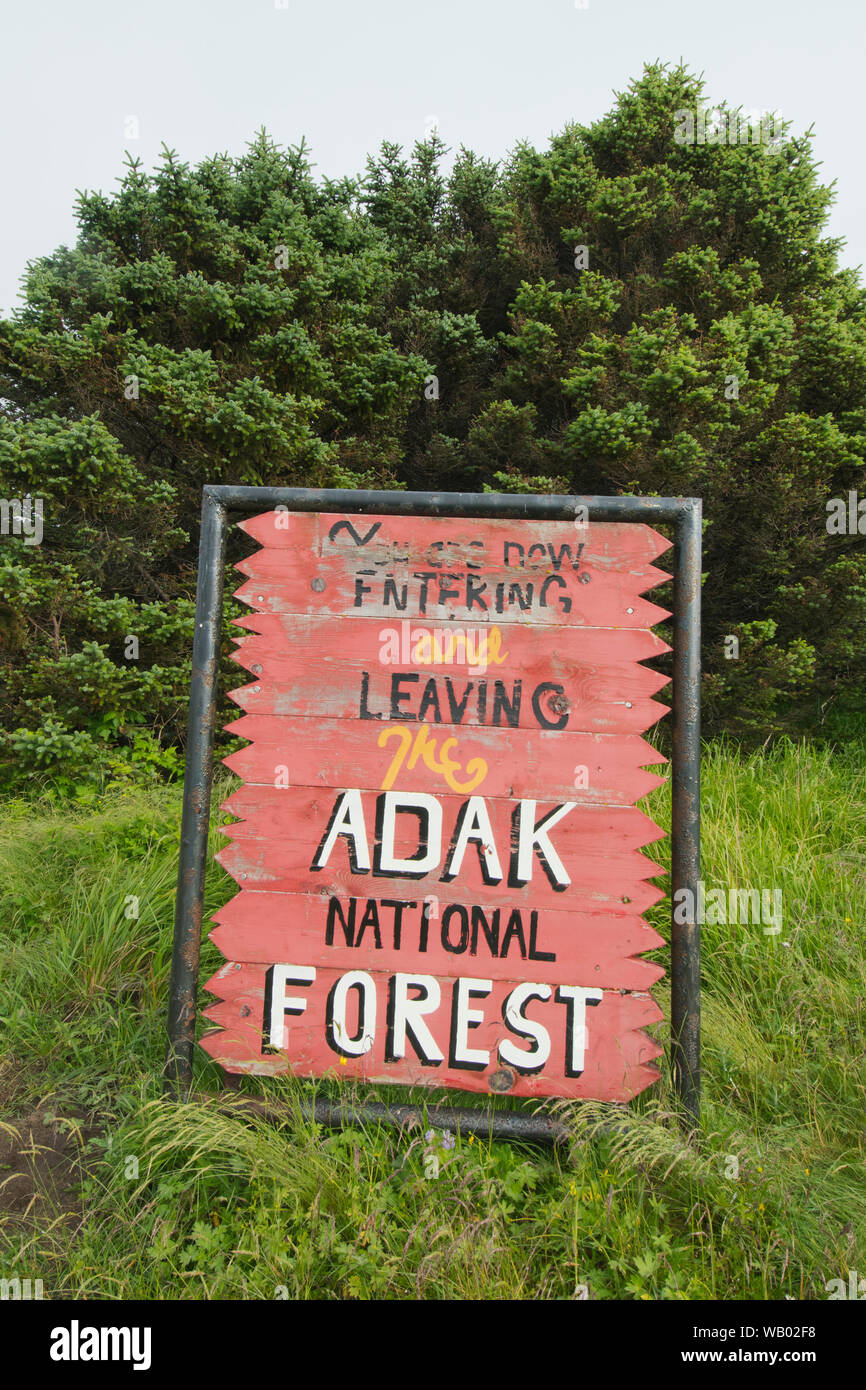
point(198, 777)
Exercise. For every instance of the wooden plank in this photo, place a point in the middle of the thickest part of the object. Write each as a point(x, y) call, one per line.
point(336, 669)
point(304, 813)
point(521, 645)
point(278, 839)
point(616, 1062)
point(452, 541)
point(559, 601)
point(478, 938)
point(591, 769)
point(461, 701)
point(624, 888)
point(445, 569)
point(572, 561)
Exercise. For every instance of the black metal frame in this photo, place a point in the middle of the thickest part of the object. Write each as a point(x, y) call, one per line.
point(684, 514)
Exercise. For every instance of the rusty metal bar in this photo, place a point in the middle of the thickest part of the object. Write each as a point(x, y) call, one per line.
point(483, 1123)
point(555, 507)
point(686, 813)
point(198, 776)
point(685, 515)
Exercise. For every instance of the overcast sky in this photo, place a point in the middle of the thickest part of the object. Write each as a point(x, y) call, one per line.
point(204, 75)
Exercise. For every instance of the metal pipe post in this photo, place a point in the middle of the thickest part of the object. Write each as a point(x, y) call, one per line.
point(189, 905)
point(686, 812)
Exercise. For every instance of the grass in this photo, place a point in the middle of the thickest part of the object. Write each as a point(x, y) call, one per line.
point(210, 1200)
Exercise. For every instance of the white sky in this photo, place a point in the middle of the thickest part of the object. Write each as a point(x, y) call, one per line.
point(204, 75)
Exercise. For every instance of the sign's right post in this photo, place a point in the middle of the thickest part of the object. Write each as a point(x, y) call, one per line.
point(686, 812)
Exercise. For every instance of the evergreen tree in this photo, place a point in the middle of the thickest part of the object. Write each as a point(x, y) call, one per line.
point(621, 313)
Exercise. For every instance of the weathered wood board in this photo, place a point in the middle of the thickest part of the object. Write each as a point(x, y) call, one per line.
point(589, 769)
point(466, 1033)
point(411, 933)
point(437, 844)
point(282, 840)
point(341, 669)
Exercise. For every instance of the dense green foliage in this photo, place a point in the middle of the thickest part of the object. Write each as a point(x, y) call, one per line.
point(199, 1201)
point(242, 321)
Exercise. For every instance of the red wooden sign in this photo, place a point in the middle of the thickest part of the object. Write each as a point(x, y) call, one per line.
point(437, 841)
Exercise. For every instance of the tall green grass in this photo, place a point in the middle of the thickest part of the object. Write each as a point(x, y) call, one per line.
point(211, 1200)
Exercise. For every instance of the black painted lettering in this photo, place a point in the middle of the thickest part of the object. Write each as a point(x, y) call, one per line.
point(363, 712)
point(398, 696)
point(502, 705)
point(399, 907)
point(451, 911)
point(335, 910)
point(399, 599)
point(490, 930)
point(534, 953)
point(474, 589)
point(339, 526)
point(426, 577)
point(514, 930)
point(370, 919)
point(543, 718)
point(361, 588)
point(474, 565)
point(523, 598)
point(456, 708)
point(563, 600)
point(430, 700)
point(444, 591)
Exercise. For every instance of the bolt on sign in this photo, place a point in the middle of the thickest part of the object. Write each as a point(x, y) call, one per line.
point(437, 843)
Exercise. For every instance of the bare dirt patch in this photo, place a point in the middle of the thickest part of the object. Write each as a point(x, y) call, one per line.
point(42, 1165)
